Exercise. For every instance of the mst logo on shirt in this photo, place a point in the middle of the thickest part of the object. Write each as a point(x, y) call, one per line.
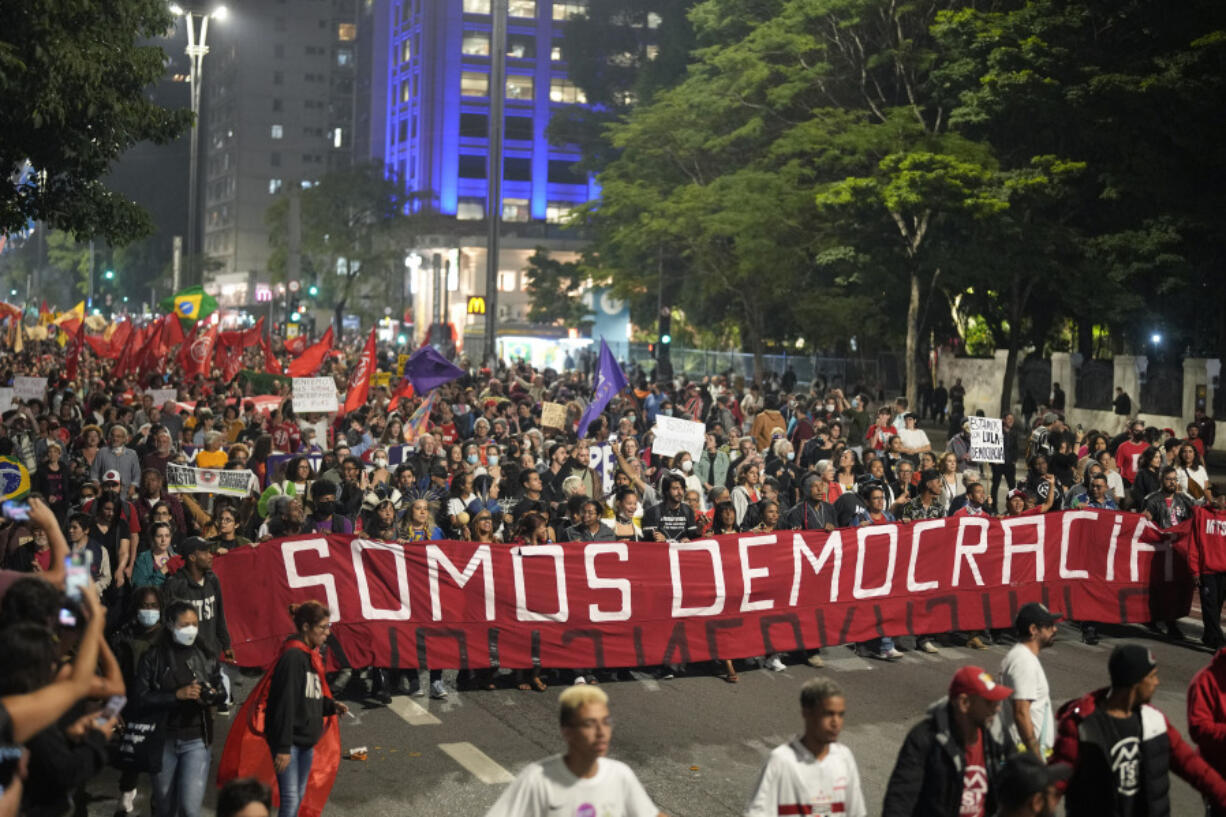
point(1126, 765)
point(974, 791)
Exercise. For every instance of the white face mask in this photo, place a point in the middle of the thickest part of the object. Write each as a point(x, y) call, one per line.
point(380, 462)
point(687, 466)
point(186, 635)
point(148, 618)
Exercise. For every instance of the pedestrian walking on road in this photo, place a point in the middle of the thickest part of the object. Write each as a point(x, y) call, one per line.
point(950, 762)
point(583, 781)
point(1122, 749)
point(1029, 787)
point(812, 773)
point(1027, 720)
point(1207, 716)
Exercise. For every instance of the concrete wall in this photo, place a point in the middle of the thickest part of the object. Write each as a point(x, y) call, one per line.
point(984, 379)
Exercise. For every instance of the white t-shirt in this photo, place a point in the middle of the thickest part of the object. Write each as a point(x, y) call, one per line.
point(793, 780)
point(913, 438)
point(1022, 671)
point(548, 789)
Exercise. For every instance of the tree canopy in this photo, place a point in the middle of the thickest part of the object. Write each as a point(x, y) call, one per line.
point(73, 83)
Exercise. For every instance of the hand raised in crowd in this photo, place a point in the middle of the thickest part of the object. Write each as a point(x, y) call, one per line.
point(90, 722)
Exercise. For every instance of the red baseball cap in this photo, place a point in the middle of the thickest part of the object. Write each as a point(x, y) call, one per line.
point(976, 681)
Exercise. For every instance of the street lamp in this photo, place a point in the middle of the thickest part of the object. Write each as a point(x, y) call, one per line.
point(196, 49)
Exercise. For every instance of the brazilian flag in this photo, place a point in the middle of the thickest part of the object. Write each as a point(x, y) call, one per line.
point(14, 479)
point(191, 305)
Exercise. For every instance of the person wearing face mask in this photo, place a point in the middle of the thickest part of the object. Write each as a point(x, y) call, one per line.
point(130, 643)
point(179, 681)
point(683, 466)
point(325, 513)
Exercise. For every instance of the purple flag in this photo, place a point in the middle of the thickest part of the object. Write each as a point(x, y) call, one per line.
point(609, 381)
point(427, 369)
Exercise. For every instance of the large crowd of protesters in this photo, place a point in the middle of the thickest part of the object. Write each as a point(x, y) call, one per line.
point(143, 643)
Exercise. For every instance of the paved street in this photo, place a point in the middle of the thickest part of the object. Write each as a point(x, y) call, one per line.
point(696, 742)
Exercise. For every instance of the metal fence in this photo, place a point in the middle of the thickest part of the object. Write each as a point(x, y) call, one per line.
point(1034, 376)
point(1162, 391)
point(828, 372)
point(1095, 384)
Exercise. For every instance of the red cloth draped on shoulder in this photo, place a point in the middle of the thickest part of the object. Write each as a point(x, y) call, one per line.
point(246, 753)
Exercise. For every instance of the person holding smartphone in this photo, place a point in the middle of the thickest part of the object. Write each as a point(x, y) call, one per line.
point(180, 681)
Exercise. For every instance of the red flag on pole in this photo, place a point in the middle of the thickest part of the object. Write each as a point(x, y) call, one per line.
point(359, 378)
point(196, 356)
point(271, 364)
point(75, 341)
point(308, 363)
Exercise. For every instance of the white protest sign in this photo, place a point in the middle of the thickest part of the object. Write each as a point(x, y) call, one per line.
point(163, 396)
point(183, 479)
point(29, 388)
point(553, 415)
point(673, 435)
point(6, 398)
point(314, 394)
point(987, 440)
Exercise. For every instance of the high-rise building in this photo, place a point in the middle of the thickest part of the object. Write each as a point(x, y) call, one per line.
point(431, 129)
point(279, 103)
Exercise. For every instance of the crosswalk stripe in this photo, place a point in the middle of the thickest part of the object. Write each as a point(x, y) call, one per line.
point(477, 762)
point(645, 680)
point(849, 663)
point(412, 712)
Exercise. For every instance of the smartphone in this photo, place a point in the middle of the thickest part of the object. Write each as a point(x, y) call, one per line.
point(114, 705)
point(10, 759)
point(78, 574)
point(68, 617)
point(16, 510)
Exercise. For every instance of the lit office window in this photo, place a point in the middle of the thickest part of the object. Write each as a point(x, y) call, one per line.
point(563, 90)
point(566, 10)
point(653, 20)
point(347, 32)
point(476, 6)
point(516, 210)
point(470, 209)
point(474, 83)
point(521, 8)
point(555, 51)
point(557, 212)
point(521, 48)
point(274, 186)
point(506, 280)
point(519, 86)
point(276, 132)
point(338, 138)
point(475, 44)
point(406, 50)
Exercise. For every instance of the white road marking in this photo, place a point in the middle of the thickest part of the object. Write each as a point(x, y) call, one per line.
point(645, 680)
point(849, 663)
point(412, 712)
point(477, 762)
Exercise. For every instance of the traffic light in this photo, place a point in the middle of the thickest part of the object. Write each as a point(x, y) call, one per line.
point(313, 290)
point(664, 368)
point(666, 339)
point(109, 275)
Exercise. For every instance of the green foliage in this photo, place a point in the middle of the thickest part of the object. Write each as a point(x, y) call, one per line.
point(72, 88)
point(554, 287)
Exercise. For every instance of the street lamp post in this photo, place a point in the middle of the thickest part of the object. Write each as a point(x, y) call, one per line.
point(197, 47)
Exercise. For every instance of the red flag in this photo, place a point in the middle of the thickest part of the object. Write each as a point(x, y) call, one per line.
point(129, 351)
point(196, 356)
point(231, 362)
point(75, 341)
point(403, 391)
point(100, 345)
point(308, 363)
point(253, 335)
point(271, 364)
point(172, 330)
point(296, 346)
point(359, 379)
point(246, 751)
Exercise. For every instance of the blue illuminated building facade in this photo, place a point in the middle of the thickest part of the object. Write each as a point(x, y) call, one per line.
point(432, 130)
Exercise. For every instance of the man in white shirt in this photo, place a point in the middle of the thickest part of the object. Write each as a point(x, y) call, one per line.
point(914, 440)
point(583, 782)
point(814, 773)
point(1027, 720)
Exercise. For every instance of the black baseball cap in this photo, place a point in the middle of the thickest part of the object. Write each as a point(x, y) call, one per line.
point(1129, 664)
point(1024, 776)
point(1035, 613)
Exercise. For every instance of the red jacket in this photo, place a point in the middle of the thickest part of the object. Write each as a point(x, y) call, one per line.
point(1207, 544)
point(1207, 710)
point(1161, 748)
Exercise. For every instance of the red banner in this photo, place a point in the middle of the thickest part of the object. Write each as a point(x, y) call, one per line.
point(627, 604)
